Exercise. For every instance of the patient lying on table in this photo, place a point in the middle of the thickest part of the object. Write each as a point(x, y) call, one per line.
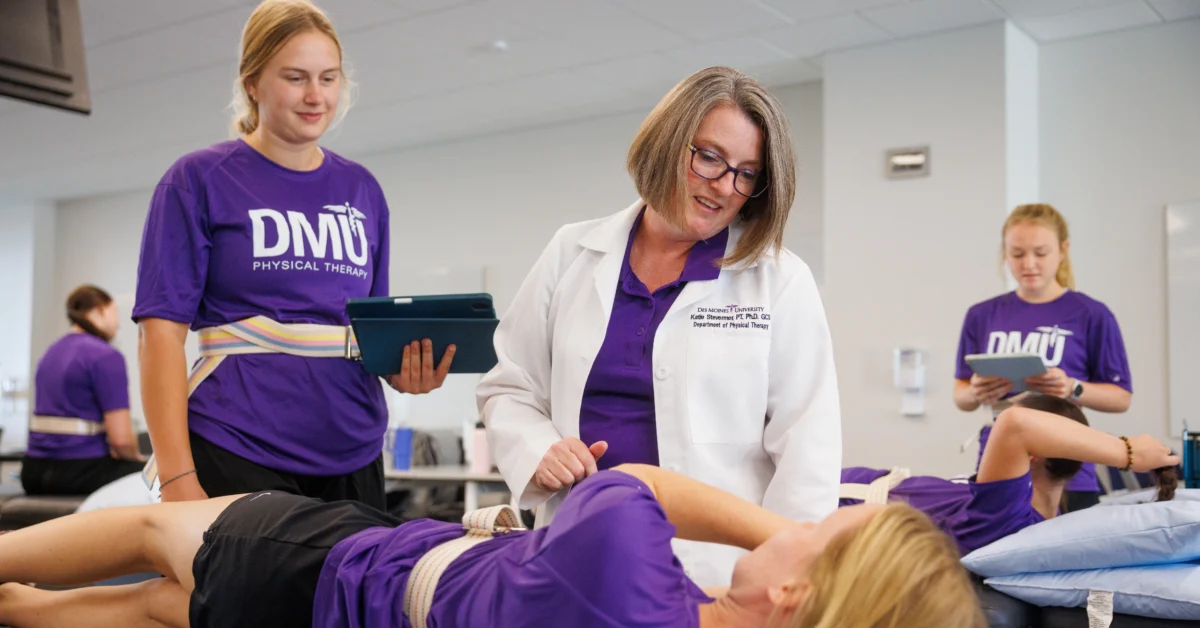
point(274, 559)
point(1035, 448)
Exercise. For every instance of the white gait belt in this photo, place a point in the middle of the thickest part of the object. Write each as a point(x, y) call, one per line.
point(66, 426)
point(260, 334)
point(877, 491)
point(481, 525)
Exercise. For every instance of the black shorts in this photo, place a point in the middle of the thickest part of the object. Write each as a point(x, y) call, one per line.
point(222, 472)
point(261, 559)
point(79, 476)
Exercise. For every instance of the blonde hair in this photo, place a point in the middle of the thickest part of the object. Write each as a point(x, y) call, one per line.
point(658, 165)
point(1044, 215)
point(898, 570)
point(272, 25)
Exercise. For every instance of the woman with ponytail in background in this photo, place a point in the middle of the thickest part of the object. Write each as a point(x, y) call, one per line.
point(1076, 335)
point(257, 243)
point(80, 435)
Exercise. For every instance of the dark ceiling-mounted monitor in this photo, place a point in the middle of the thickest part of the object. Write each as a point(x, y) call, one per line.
point(41, 53)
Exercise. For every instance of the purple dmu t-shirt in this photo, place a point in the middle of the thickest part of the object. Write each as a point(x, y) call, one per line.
point(231, 235)
point(1075, 333)
point(974, 514)
point(604, 561)
point(79, 377)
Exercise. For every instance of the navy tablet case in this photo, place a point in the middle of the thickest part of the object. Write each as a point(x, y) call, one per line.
point(385, 325)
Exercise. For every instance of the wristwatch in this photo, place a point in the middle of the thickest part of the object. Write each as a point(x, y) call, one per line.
point(1076, 390)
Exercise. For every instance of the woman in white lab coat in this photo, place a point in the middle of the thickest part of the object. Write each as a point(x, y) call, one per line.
point(679, 331)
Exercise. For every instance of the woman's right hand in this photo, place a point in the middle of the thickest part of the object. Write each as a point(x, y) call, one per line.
point(185, 489)
point(1150, 454)
point(566, 462)
point(988, 390)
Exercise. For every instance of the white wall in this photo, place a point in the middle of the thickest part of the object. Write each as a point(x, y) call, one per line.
point(906, 258)
point(489, 203)
point(1120, 139)
point(22, 228)
point(96, 242)
point(16, 286)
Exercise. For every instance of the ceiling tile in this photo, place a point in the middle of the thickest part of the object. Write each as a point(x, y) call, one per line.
point(109, 20)
point(840, 32)
point(1090, 21)
point(804, 10)
point(927, 16)
point(416, 7)
point(741, 53)
point(168, 51)
point(351, 15)
point(161, 70)
point(703, 20)
point(649, 76)
point(1176, 9)
point(1044, 8)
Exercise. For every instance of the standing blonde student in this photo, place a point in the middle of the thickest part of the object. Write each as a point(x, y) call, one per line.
point(1077, 336)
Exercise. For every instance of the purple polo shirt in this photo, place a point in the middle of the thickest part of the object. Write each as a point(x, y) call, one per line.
point(605, 561)
point(79, 377)
point(618, 399)
point(1074, 332)
point(973, 513)
point(231, 235)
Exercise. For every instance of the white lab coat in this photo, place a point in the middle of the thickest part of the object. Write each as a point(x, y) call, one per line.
point(752, 410)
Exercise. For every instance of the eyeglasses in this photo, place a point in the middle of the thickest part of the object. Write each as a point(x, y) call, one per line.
point(709, 165)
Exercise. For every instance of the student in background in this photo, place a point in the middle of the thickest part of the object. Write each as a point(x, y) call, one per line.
point(1076, 335)
point(80, 435)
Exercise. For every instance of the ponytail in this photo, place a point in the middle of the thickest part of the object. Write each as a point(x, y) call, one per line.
point(81, 302)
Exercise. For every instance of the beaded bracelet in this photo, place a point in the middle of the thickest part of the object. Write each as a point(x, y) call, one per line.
point(1129, 452)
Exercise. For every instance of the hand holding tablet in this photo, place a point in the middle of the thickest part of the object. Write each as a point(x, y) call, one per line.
point(385, 326)
point(1007, 368)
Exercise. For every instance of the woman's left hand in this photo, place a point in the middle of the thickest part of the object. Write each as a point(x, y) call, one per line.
point(1053, 382)
point(417, 375)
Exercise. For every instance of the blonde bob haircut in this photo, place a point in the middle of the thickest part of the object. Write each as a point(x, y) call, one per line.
point(272, 25)
point(898, 571)
point(658, 160)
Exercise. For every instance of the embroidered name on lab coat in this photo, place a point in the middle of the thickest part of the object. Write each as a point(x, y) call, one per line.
point(732, 317)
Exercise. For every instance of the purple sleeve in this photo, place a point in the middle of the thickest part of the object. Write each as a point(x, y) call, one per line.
point(611, 543)
point(1107, 362)
point(379, 285)
point(996, 510)
point(968, 344)
point(111, 382)
point(173, 265)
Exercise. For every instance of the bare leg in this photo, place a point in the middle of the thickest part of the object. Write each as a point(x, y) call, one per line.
point(158, 603)
point(101, 544)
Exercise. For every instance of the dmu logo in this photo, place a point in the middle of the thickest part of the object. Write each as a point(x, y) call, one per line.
point(1048, 342)
point(340, 234)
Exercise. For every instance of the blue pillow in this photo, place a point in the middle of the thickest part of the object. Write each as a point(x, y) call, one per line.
point(1095, 538)
point(1162, 591)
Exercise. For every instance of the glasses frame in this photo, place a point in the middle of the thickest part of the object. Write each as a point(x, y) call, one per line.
point(692, 164)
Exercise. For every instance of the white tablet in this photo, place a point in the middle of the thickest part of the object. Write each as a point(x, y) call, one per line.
point(1014, 367)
